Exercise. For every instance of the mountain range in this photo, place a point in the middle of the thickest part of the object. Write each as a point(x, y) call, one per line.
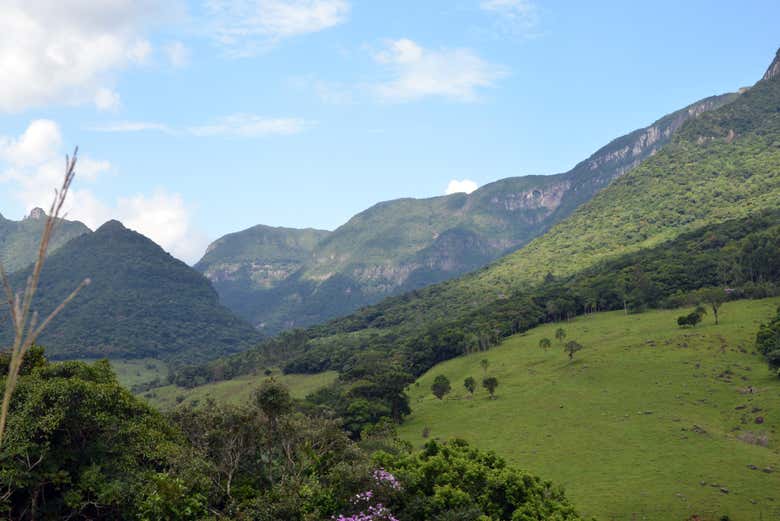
point(281, 278)
point(142, 302)
point(19, 239)
point(707, 189)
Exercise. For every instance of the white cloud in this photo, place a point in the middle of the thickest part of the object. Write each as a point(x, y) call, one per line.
point(457, 186)
point(33, 163)
point(178, 54)
point(246, 27)
point(418, 73)
point(516, 16)
point(55, 52)
point(166, 219)
point(107, 99)
point(250, 125)
point(235, 125)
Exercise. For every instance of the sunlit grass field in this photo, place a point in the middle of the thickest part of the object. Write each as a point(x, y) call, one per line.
point(648, 422)
point(237, 391)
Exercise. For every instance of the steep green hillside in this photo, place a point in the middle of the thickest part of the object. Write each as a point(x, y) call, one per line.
point(649, 421)
point(723, 165)
point(19, 239)
point(142, 303)
point(277, 280)
point(256, 261)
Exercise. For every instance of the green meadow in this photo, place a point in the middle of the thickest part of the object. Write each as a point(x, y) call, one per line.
point(237, 391)
point(648, 422)
point(138, 371)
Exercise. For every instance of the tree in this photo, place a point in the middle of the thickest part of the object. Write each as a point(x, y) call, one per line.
point(560, 334)
point(545, 343)
point(692, 318)
point(714, 297)
point(571, 348)
point(476, 485)
point(470, 384)
point(490, 383)
point(484, 363)
point(441, 386)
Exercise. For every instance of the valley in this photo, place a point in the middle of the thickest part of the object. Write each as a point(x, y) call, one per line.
point(438, 317)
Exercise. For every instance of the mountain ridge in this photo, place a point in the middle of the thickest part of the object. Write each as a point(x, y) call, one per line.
point(19, 240)
point(407, 243)
point(142, 302)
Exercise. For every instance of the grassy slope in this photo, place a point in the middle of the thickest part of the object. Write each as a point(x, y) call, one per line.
point(584, 424)
point(237, 391)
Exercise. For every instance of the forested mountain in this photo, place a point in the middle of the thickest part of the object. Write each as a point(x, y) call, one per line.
point(141, 302)
point(19, 239)
point(280, 278)
point(702, 197)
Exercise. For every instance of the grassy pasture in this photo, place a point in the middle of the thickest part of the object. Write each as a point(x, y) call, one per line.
point(648, 422)
point(237, 391)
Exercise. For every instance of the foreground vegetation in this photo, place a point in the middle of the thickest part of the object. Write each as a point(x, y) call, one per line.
point(80, 446)
point(649, 421)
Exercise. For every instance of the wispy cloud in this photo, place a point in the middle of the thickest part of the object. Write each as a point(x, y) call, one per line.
point(247, 27)
point(235, 125)
point(416, 73)
point(178, 54)
point(250, 125)
point(131, 126)
point(519, 17)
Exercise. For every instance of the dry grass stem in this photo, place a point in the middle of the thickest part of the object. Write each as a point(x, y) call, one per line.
point(25, 323)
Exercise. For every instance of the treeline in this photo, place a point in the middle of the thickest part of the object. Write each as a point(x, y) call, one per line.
point(377, 358)
point(768, 342)
point(79, 446)
point(741, 256)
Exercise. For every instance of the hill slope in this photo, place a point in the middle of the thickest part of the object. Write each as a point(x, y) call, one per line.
point(721, 166)
point(649, 421)
point(288, 278)
point(19, 239)
point(142, 303)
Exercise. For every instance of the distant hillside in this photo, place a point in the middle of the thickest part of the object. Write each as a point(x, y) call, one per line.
point(19, 239)
point(280, 278)
point(142, 303)
point(692, 215)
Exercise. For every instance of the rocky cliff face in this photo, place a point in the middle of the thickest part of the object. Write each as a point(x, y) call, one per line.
point(405, 244)
point(774, 68)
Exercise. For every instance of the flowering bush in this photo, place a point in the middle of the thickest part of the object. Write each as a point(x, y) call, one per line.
point(369, 503)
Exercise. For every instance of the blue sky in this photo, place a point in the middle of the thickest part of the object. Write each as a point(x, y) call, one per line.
point(210, 116)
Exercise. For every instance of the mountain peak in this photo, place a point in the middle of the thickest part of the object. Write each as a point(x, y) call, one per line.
point(36, 214)
point(774, 68)
point(112, 225)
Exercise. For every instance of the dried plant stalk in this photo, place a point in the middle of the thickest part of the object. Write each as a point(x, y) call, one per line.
point(25, 323)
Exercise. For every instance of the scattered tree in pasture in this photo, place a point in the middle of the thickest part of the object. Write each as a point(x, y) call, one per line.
point(713, 297)
point(572, 347)
point(560, 334)
point(545, 343)
point(441, 386)
point(484, 363)
point(490, 383)
point(692, 318)
point(768, 342)
point(470, 384)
